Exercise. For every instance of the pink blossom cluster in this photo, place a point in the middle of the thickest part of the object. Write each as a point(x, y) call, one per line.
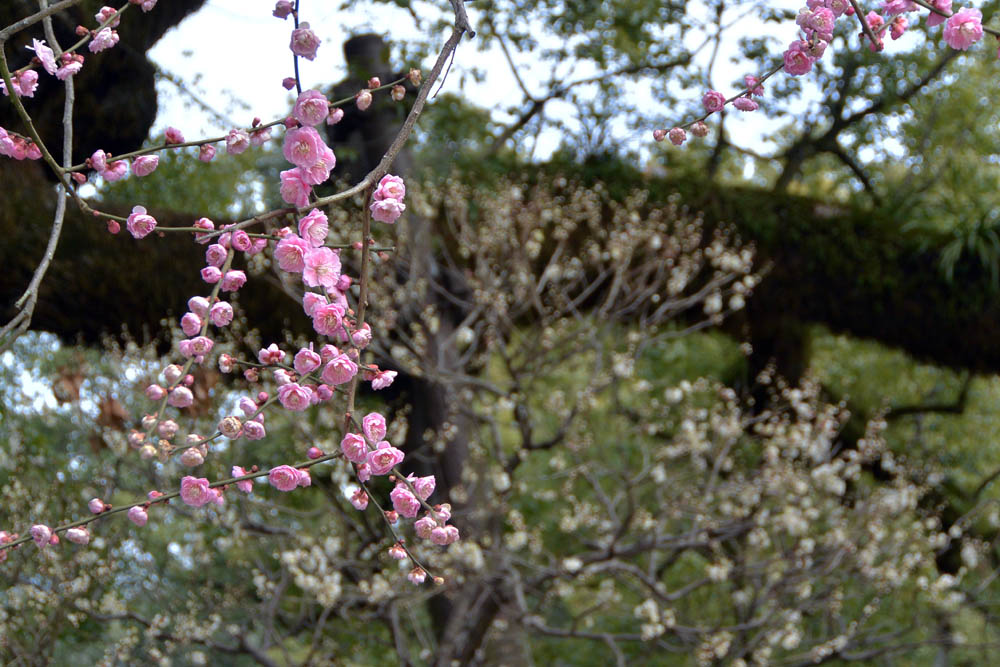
point(17, 147)
point(373, 455)
point(816, 23)
point(387, 200)
point(196, 491)
point(305, 148)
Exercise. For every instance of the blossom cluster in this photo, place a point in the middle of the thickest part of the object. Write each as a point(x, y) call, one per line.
point(816, 22)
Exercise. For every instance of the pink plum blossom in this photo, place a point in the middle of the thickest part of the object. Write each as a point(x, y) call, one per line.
point(387, 210)
point(190, 324)
point(221, 314)
point(382, 459)
point(206, 152)
point(354, 447)
point(96, 506)
point(195, 491)
point(283, 478)
point(211, 274)
point(116, 171)
point(314, 227)
point(677, 136)
point(105, 38)
point(291, 253)
point(311, 301)
point(383, 379)
point(322, 267)
point(363, 99)
point(144, 165)
point(41, 534)
point(312, 108)
point(246, 486)
point(374, 426)
point(180, 397)
point(270, 355)
point(306, 361)
point(963, 29)
point(339, 371)
point(294, 189)
point(106, 13)
point(935, 18)
point(139, 223)
point(404, 502)
point(233, 280)
point(294, 397)
point(359, 499)
point(237, 141)
point(713, 101)
point(390, 187)
point(327, 319)
point(138, 516)
point(173, 136)
point(304, 42)
point(44, 54)
point(78, 535)
point(797, 61)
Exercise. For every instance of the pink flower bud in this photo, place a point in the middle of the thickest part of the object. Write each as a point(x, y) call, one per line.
point(173, 136)
point(314, 453)
point(191, 458)
point(254, 430)
point(288, 82)
point(417, 576)
point(138, 516)
point(155, 392)
point(206, 152)
point(336, 115)
point(41, 534)
point(230, 427)
point(145, 165)
point(180, 397)
point(167, 429)
point(211, 274)
point(415, 77)
point(745, 104)
point(359, 499)
point(241, 241)
point(713, 101)
point(398, 93)
point(190, 324)
point(96, 506)
point(282, 9)
point(699, 129)
point(397, 552)
point(78, 535)
point(659, 135)
point(363, 99)
point(233, 280)
point(677, 136)
point(221, 314)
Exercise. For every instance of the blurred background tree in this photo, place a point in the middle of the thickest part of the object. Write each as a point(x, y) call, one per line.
point(550, 319)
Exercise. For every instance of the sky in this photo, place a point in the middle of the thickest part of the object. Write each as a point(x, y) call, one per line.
point(235, 50)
